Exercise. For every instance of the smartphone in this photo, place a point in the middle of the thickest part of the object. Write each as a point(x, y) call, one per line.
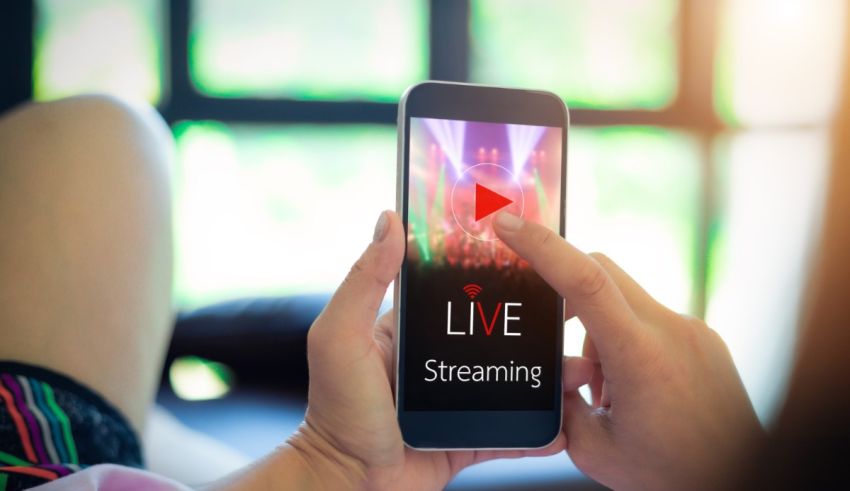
point(480, 334)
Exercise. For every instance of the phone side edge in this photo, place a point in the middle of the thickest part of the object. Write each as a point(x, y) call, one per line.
point(401, 125)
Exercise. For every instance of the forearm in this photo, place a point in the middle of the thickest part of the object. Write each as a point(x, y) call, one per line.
point(298, 465)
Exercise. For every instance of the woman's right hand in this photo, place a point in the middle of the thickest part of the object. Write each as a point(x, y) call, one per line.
point(668, 408)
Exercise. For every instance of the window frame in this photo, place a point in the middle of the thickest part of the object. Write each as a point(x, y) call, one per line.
point(691, 110)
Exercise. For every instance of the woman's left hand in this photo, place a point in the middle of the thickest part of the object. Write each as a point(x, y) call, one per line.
point(350, 436)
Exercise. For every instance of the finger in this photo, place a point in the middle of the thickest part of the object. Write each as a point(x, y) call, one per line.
point(354, 306)
point(385, 338)
point(568, 311)
point(588, 350)
point(584, 428)
point(639, 300)
point(605, 396)
point(578, 371)
point(597, 378)
point(384, 325)
point(592, 295)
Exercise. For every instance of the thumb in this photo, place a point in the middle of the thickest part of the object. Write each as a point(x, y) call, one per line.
point(578, 371)
point(354, 306)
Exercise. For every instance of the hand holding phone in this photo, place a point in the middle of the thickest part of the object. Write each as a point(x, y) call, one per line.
point(668, 409)
point(350, 438)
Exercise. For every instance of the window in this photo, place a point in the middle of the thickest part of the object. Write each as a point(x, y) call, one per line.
point(697, 154)
point(99, 45)
point(603, 54)
point(778, 61)
point(255, 202)
point(363, 50)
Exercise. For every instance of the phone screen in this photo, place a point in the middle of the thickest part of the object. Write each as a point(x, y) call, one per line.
point(481, 325)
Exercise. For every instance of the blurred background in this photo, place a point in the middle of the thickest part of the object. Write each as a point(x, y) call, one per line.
point(697, 160)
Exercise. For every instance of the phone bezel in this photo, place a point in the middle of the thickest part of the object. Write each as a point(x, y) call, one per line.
point(472, 429)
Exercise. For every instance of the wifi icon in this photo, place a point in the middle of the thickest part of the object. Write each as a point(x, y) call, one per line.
point(472, 290)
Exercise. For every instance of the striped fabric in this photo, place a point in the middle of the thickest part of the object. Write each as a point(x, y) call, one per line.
point(48, 448)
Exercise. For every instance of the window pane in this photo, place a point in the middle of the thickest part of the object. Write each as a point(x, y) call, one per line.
point(779, 61)
point(264, 210)
point(594, 53)
point(634, 194)
point(771, 187)
point(322, 49)
point(98, 46)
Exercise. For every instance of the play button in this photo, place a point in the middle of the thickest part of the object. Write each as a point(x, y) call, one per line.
point(488, 202)
point(481, 191)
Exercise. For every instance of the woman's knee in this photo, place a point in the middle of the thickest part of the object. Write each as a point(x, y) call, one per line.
point(94, 139)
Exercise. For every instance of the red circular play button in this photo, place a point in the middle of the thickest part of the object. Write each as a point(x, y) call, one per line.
point(480, 192)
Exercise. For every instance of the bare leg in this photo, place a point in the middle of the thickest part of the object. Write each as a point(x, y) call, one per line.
point(85, 245)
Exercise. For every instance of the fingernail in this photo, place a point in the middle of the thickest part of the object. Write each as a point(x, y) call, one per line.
point(509, 222)
point(381, 227)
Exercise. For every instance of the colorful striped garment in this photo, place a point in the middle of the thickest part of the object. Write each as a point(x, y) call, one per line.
point(52, 426)
point(43, 429)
